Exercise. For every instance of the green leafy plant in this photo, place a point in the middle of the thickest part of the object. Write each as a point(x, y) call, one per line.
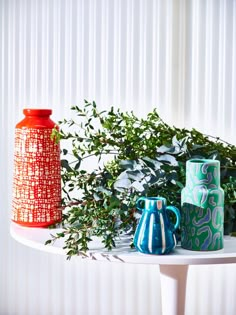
point(145, 157)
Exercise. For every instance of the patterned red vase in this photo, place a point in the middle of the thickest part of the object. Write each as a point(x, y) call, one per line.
point(37, 179)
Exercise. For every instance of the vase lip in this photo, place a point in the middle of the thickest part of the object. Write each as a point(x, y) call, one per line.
point(155, 198)
point(37, 112)
point(203, 161)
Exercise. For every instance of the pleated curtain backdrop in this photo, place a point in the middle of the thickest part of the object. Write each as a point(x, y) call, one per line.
point(178, 56)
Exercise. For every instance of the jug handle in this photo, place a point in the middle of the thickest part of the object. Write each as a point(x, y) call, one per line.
point(177, 214)
point(138, 203)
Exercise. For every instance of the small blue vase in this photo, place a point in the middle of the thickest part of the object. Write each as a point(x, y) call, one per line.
point(155, 233)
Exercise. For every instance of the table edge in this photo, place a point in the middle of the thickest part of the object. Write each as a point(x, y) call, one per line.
point(127, 257)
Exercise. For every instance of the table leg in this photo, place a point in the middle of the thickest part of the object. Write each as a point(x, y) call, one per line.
point(173, 288)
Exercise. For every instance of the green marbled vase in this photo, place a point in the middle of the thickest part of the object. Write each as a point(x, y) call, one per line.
point(202, 204)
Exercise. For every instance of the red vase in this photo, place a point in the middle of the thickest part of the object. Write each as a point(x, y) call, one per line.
point(37, 179)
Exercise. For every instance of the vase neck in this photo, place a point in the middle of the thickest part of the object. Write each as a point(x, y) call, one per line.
point(28, 112)
point(203, 172)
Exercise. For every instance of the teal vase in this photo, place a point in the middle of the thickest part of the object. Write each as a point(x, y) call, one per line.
point(155, 233)
point(202, 205)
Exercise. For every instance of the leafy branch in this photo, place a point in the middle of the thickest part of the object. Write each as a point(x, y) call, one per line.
point(146, 157)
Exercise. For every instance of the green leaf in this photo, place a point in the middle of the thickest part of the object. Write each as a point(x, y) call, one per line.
point(138, 186)
point(179, 184)
point(96, 197)
point(77, 165)
point(127, 164)
point(122, 184)
point(65, 164)
point(135, 175)
point(167, 158)
point(104, 190)
point(153, 163)
point(175, 142)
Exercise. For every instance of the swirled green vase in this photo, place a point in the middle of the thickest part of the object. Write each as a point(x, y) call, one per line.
point(202, 205)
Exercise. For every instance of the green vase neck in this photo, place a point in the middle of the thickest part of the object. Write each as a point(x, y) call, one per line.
point(203, 172)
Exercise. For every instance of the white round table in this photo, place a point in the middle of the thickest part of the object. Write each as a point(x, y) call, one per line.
point(173, 267)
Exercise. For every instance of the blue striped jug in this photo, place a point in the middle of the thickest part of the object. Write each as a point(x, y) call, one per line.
point(155, 233)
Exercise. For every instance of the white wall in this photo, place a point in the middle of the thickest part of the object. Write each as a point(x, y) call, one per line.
point(178, 56)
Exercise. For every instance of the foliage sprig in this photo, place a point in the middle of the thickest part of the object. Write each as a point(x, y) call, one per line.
point(146, 157)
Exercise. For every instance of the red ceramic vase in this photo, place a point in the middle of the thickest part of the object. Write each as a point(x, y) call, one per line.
point(37, 179)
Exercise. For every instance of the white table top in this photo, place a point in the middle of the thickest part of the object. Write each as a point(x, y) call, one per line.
point(36, 238)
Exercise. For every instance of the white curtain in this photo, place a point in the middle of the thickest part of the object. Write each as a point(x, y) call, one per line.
point(176, 55)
